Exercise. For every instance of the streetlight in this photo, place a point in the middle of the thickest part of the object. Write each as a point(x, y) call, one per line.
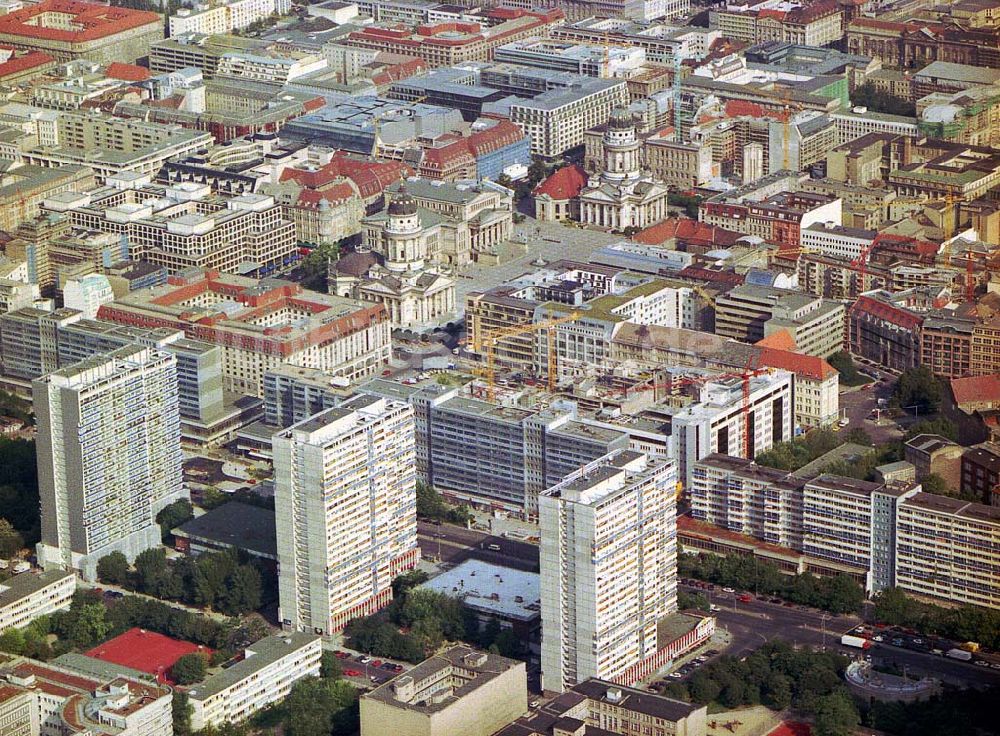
point(823, 619)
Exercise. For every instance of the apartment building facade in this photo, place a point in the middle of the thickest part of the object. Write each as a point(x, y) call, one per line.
point(102, 486)
point(23, 598)
point(345, 494)
point(608, 567)
point(225, 16)
point(265, 675)
point(889, 534)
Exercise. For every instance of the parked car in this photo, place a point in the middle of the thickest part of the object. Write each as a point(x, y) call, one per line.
point(728, 590)
point(351, 673)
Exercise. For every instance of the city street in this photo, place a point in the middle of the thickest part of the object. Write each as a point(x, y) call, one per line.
point(857, 405)
point(453, 545)
point(752, 624)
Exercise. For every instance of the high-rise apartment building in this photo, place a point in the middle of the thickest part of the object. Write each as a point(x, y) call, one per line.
point(345, 498)
point(109, 456)
point(608, 567)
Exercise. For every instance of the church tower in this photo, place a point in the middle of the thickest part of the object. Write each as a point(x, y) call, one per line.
point(621, 148)
point(403, 242)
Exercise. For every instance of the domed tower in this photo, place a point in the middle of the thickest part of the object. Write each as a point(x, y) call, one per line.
point(621, 147)
point(405, 248)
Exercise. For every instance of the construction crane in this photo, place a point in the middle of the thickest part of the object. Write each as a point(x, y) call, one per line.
point(377, 125)
point(488, 343)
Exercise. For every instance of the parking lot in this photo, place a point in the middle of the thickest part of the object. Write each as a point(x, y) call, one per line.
point(365, 670)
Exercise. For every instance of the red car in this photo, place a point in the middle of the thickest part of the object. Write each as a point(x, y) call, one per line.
point(341, 655)
point(352, 673)
point(376, 663)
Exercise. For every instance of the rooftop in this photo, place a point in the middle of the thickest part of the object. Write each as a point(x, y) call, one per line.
point(145, 651)
point(467, 668)
point(237, 525)
point(492, 589)
point(20, 586)
point(77, 22)
point(256, 657)
point(976, 389)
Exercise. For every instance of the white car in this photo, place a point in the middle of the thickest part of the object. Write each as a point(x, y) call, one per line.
point(21, 566)
point(728, 590)
point(675, 675)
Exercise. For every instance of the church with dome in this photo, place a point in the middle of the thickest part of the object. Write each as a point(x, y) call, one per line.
point(395, 266)
point(622, 195)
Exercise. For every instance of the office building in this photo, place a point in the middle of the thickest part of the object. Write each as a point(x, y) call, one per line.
point(833, 239)
point(262, 324)
point(72, 29)
point(556, 120)
point(293, 393)
point(80, 700)
point(776, 218)
point(750, 313)
point(185, 226)
point(813, 24)
point(608, 568)
point(101, 487)
point(265, 675)
point(16, 295)
point(981, 472)
point(450, 43)
point(87, 294)
point(817, 385)
point(23, 598)
point(25, 187)
point(912, 44)
point(459, 691)
point(345, 495)
point(108, 145)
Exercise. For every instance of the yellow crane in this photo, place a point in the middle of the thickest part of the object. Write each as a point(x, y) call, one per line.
point(488, 342)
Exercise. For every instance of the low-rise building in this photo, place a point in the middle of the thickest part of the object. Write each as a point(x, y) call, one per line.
point(932, 453)
point(817, 386)
point(459, 691)
point(225, 16)
point(981, 472)
point(598, 707)
point(265, 675)
point(234, 525)
point(71, 29)
point(25, 597)
point(26, 186)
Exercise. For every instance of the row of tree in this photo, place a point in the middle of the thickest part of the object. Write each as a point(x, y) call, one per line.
point(810, 683)
point(430, 505)
point(224, 581)
point(964, 623)
point(836, 594)
point(89, 621)
point(19, 488)
point(802, 450)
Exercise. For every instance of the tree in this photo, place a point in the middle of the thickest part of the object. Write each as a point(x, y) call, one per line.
point(408, 580)
point(242, 591)
point(836, 715)
point(777, 691)
point(181, 710)
point(934, 483)
point(844, 365)
point(189, 669)
point(88, 626)
point(172, 516)
point(917, 388)
point(19, 487)
point(113, 569)
point(11, 541)
point(150, 567)
point(329, 666)
point(878, 101)
point(321, 707)
point(939, 425)
point(12, 641)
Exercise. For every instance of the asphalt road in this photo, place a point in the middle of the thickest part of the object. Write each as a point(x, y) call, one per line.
point(857, 405)
point(752, 624)
point(454, 545)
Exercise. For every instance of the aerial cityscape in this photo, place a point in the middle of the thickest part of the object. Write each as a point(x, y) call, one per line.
point(501, 368)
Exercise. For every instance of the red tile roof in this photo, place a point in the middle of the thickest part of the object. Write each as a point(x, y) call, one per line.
point(808, 366)
point(745, 108)
point(566, 183)
point(690, 231)
point(18, 64)
point(976, 389)
point(371, 177)
point(90, 21)
point(337, 194)
point(888, 313)
point(780, 340)
point(127, 72)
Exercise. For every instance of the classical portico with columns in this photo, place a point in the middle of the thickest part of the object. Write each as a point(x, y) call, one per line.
point(621, 195)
